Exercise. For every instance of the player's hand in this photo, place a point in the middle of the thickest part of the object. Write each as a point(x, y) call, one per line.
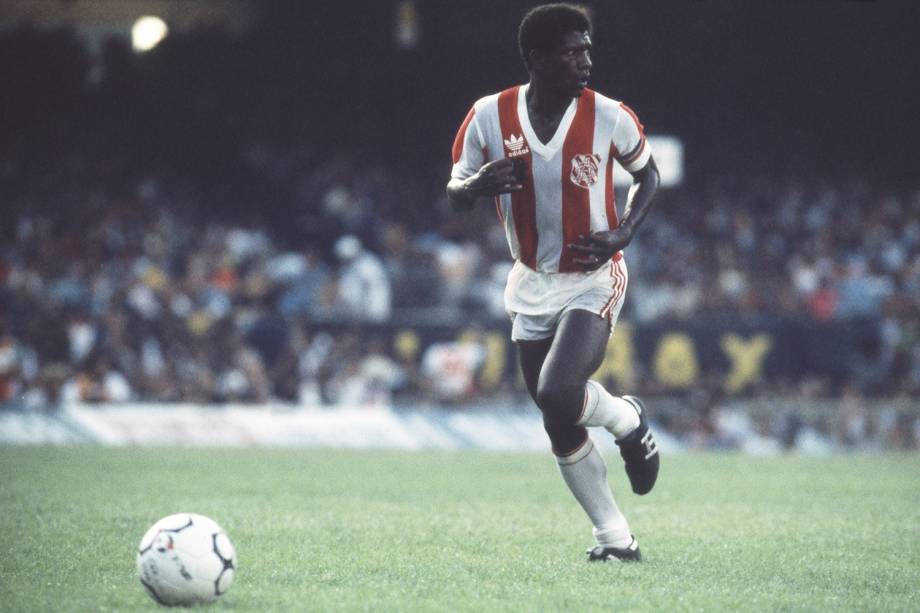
point(499, 177)
point(596, 248)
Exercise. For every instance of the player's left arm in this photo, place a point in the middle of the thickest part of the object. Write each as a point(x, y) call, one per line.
point(596, 248)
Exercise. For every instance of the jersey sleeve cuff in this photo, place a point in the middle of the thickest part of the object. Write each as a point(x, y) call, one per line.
point(457, 171)
point(637, 160)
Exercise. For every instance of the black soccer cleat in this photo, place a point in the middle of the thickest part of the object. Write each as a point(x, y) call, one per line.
point(612, 554)
point(640, 452)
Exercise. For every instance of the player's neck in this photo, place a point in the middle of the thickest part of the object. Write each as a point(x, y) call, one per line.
point(544, 101)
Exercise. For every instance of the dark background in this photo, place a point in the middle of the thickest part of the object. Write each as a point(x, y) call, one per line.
point(773, 86)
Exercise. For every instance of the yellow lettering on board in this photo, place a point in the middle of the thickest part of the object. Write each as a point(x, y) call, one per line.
point(747, 359)
point(406, 343)
point(496, 361)
point(619, 359)
point(675, 361)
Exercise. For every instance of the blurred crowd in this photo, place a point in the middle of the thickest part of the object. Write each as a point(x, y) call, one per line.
point(145, 296)
point(125, 277)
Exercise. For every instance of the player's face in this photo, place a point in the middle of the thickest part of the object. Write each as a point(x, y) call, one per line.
point(568, 67)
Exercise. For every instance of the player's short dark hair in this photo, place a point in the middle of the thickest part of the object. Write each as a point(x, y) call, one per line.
point(544, 26)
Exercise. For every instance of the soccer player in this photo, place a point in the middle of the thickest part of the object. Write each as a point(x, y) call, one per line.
point(545, 151)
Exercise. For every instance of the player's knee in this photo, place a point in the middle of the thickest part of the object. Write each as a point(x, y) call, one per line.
point(560, 401)
point(564, 438)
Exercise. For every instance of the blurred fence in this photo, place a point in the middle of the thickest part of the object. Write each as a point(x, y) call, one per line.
point(758, 426)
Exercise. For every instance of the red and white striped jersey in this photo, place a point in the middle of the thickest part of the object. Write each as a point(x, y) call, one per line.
point(568, 190)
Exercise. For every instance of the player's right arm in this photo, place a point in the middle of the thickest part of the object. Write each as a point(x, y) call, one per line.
point(492, 179)
point(471, 176)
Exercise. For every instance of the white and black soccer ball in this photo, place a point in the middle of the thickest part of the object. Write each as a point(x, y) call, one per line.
point(186, 559)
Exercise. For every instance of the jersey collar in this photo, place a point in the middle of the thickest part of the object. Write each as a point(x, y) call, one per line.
point(550, 149)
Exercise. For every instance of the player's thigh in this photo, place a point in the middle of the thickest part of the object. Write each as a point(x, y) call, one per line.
point(578, 348)
point(531, 355)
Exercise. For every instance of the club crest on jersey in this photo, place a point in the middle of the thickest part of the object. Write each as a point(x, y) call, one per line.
point(585, 169)
point(516, 145)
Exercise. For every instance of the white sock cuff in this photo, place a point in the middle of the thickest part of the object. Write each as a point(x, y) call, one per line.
point(613, 535)
point(578, 455)
point(592, 397)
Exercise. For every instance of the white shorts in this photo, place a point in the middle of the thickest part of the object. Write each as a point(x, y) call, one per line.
point(536, 301)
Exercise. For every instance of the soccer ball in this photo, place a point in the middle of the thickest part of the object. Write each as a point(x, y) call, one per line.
point(186, 559)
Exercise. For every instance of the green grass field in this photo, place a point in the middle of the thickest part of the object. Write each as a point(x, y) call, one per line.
point(336, 530)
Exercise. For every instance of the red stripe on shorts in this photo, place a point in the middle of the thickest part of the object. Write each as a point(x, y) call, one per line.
point(619, 287)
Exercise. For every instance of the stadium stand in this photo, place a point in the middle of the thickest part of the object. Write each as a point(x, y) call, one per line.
point(219, 259)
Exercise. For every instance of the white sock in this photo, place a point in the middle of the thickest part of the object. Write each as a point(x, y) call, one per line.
point(613, 413)
point(586, 475)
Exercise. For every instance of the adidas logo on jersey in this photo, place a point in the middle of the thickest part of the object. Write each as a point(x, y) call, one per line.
point(516, 146)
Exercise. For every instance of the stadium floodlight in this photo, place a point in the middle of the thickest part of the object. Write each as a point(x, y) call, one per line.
point(147, 32)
